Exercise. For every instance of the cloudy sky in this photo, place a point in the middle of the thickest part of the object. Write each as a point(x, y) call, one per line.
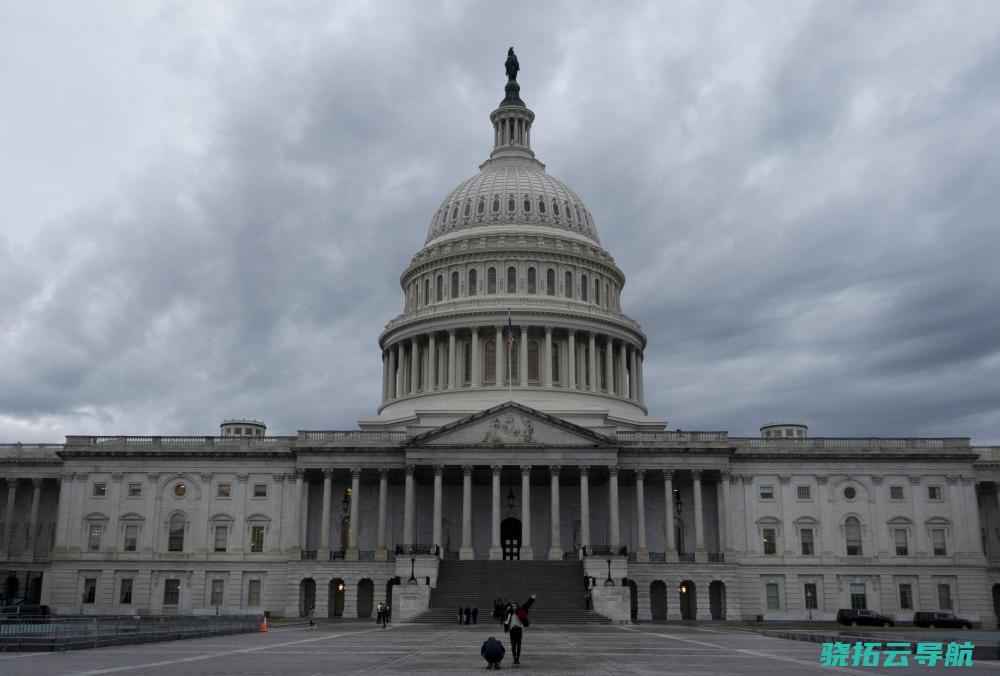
point(205, 206)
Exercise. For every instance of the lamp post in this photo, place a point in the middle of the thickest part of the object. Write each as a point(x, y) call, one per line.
point(678, 505)
point(609, 582)
point(413, 579)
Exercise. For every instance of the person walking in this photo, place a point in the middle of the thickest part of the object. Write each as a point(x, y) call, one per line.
point(382, 616)
point(493, 652)
point(514, 623)
point(468, 614)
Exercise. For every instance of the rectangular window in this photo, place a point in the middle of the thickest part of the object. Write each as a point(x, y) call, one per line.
point(125, 592)
point(938, 542)
point(806, 538)
point(257, 539)
point(135, 490)
point(859, 598)
point(253, 594)
point(89, 589)
point(899, 538)
point(171, 592)
point(131, 538)
point(221, 538)
point(218, 591)
point(895, 492)
point(933, 492)
point(94, 533)
point(224, 491)
point(100, 490)
point(767, 492)
point(773, 599)
point(769, 536)
point(812, 598)
point(803, 492)
point(905, 597)
point(260, 490)
point(944, 596)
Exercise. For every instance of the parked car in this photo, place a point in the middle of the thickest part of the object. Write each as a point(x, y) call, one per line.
point(856, 616)
point(24, 610)
point(939, 620)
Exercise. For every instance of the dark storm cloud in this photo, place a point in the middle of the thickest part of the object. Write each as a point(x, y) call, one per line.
point(802, 197)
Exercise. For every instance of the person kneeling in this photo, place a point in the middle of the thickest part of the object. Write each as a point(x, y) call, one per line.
point(493, 652)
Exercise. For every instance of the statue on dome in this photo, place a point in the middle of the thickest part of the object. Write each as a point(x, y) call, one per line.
point(511, 65)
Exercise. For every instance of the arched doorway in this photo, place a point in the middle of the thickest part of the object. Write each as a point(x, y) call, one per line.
point(388, 590)
point(335, 604)
point(11, 587)
point(34, 593)
point(717, 599)
point(689, 607)
point(510, 536)
point(366, 598)
point(633, 596)
point(307, 597)
point(658, 600)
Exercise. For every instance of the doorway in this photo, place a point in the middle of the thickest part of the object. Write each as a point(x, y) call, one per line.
point(307, 597)
point(717, 600)
point(366, 598)
point(688, 605)
point(658, 600)
point(510, 537)
point(335, 607)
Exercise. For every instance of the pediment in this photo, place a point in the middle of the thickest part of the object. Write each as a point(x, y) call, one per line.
point(510, 424)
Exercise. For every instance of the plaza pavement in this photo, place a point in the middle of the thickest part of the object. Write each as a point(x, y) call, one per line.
point(361, 648)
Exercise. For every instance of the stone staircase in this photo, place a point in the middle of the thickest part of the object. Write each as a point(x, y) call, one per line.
point(559, 586)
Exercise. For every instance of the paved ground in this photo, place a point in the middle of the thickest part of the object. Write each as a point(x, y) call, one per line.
point(356, 648)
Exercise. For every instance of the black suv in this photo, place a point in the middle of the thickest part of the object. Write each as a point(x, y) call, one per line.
point(854, 617)
point(937, 620)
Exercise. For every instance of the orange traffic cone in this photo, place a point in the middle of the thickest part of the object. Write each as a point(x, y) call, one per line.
point(263, 626)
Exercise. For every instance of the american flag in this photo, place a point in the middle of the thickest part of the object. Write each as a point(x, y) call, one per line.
point(510, 332)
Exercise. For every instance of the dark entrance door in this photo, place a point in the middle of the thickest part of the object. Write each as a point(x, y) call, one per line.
point(510, 537)
point(687, 594)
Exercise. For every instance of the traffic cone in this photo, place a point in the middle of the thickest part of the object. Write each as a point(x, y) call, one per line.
point(263, 626)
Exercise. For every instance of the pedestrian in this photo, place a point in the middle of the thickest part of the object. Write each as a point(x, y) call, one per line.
point(514, 624)
point(309, 614)
point(383, 615)
point(379, 613)
point(588, 600)
point(468, 614)
point(493, 652)
point(461, 614)
point(475, 613)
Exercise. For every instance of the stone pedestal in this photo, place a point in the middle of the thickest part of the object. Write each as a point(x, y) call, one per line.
point(612, 602)
point(409, 600)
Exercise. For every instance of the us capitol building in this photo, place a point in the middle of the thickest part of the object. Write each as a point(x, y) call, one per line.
point(499, 444)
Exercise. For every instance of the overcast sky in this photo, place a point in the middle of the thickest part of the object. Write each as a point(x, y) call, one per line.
point(206, 206)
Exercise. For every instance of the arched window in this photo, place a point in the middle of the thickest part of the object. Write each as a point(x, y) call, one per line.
point(607, 294)
point(454, 214)
point(491, 280)
point(527, 204)
point(555, 209)
point(597, 292)
point(467, 362)
point(569, 284)
point(490, 363)
point(578, 216)
point(427, 292)
point(471, 289)
point(496, 205)
point(440, 288)
point(512, 280)
point(852, 536)
point(175, 540)
point(555, 362)
point(583, 288)
point(569, 214)
point(482, 206)
point(468, 208)
point(511, 204)
point(454, 284)
point(550, 282)
point(533, 361)
point(531, 280)
point(541, 205)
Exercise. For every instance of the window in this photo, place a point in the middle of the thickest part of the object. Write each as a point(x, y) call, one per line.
point(811, 597)
point(773, 599)
point(850, 493)
point(454, 214)
point(769, 537)
point(89, 589)
point(852, 535)
point(895, 492)
point(526, 204)
point(532, 361)
point(135, 490)
point(260, 490)
point(224, 491)
point(767, 492)
point(94, 533)
point(100, 490)
point(938, 542)
point(471, 289)
point(481, 207)
point(253, 594)
point(933, 492)
point(550, 282)
point(496, 205)
point(859, 598)
point(490, 363)
point(578, 217)
point(531, 280)
point(511, 204)
point(568, 284)
point(555, 362)
point(181, 489)
point(905, 597)
point(454, 285)
point(175, 541)
point(806, 539)
point(899, 538)
point(803, 492)
point(218, 592)
point(171, 592)
point(597, 292)
point(439, 291)
point(583, 287)
point(125, 591)
point(131, 537)
point(427, 292)
point(468, 209)
point(511, 280)
point(221, 538)
point(467, 362)
point(555, 208)
point(541, 205)
point(491, 280)
point(944, 596)
point(257, 539)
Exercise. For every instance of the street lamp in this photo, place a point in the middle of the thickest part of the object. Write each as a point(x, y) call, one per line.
point(609, 582)
point(413, 579)
point(678, 505)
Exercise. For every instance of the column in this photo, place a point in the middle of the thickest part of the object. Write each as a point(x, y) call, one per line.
point(614, 536)
point(972, 516)
point(400, 370)
point(785, 505)
point(584, 507)
point(451, 359)
point(496, 551)
point(955, 507)
point(592, 362)
point(522, 357)
point(477, 367)
point(880, 531)
point(622, 370)
point(722, 508)
point(466, 553)
point(827, 528)
point(633, 377)
point(609, 365)
point(385, 376)
point(436, 525)
point(526, 552)
point(917, 500)
point(391, 380)
point(642, 551)
point(670, 550)
point(640, 393)
point(432, 383)
point(324, 528)
point(383, 493)
point(36, 496)
point(8, 515)
point(547, 367)
point(500, 351)
point(699, 519)
point(571, 362)
point(555, 539)
point(352, 534)
point(63, 510)
point(408, 508)
point(414, 367)
point(293, 536)
point(304, 515)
